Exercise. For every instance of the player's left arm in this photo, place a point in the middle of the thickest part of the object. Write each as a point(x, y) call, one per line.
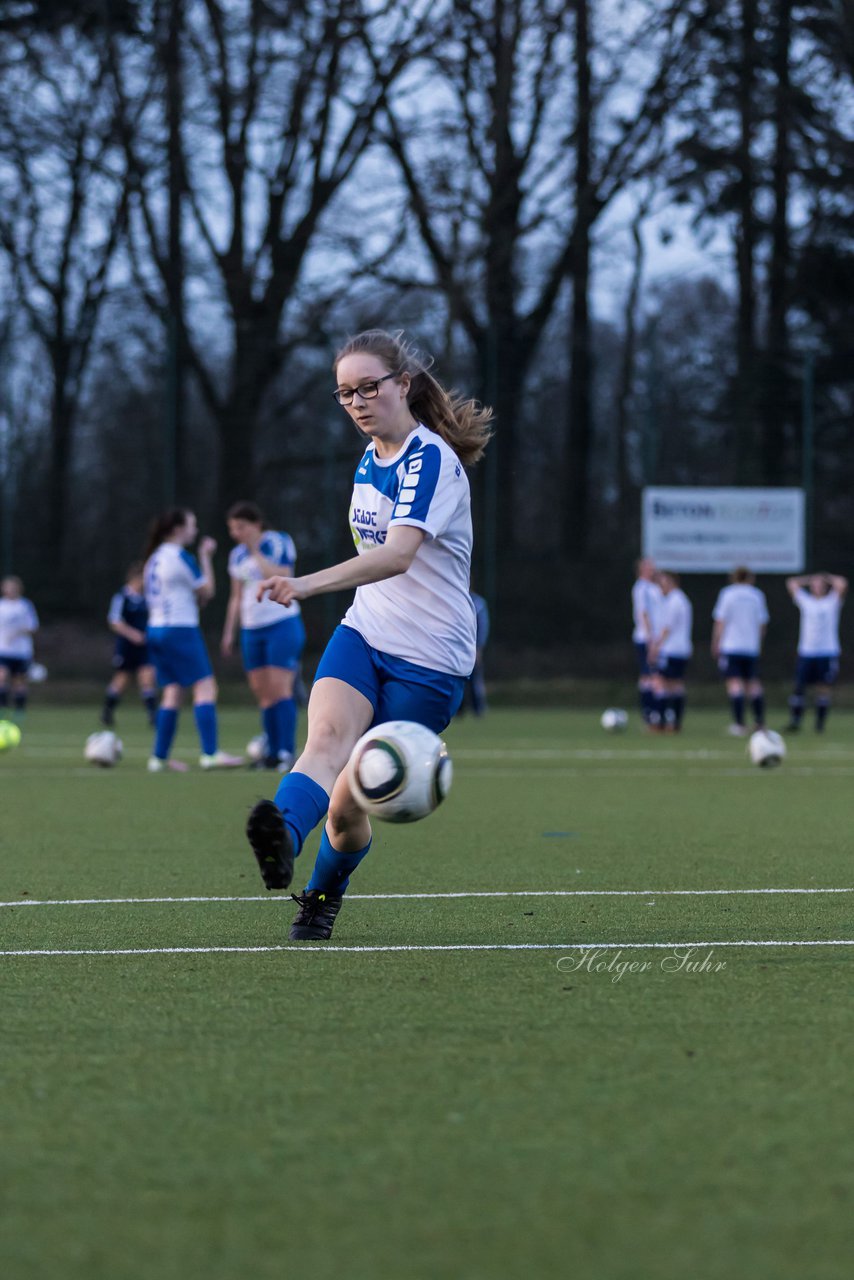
point(837, 583)
point(387, 561)
point(206, 589)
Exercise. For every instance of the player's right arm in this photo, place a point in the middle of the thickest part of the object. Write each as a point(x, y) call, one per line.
point(717, 635)
point(794, 585)
point(393, 557)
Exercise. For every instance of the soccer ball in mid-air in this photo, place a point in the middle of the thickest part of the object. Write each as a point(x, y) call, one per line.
point(257, 748)
point(103, 748)
point(766, 748)
point(614, 720)
point(10, 735)
point(399, 771)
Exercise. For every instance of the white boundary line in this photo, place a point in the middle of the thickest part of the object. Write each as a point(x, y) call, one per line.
point(463, 946)
point(384, 897)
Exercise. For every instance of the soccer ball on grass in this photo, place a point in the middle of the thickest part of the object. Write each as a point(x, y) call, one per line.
point(766, 748)
point(614, 720)
point(399, 771)
point(10, 735)
point(103, 748)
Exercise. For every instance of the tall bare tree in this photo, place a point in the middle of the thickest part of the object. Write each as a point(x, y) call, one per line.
point(62, 218)
point(280, 102)
point(487, 161)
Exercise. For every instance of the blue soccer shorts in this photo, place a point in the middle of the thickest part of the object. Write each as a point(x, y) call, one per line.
point(672, 668)
point(739, 666)
point(179, 655)
point(278, 645)
point(395, 688)
point(817, 670)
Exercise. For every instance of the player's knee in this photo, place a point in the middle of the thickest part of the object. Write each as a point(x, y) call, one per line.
point(326, 739)
point(342, 816)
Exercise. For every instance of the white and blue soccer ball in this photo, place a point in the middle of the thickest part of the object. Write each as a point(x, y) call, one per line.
point(399, 771)
point(767, 748)
point(103, 748)
point(614, 720)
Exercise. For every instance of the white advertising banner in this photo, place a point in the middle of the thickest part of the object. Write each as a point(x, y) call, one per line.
point(714, 530)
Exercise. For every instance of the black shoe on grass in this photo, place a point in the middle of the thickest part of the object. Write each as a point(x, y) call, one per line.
point(271, 844)
point(316, 916)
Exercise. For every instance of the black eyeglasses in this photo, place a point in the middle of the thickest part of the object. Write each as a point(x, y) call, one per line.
point(367, 390)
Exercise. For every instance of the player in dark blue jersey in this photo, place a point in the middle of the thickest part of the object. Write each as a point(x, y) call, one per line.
point(127, 619)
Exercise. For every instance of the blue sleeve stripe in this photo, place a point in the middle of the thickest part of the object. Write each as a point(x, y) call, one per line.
point(419, 484)
point(192, 564)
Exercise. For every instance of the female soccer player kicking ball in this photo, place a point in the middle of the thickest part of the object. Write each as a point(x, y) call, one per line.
point(406, 645)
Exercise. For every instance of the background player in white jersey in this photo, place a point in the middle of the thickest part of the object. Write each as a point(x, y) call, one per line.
point(740, 620)
point(646, 607)
point(671, 650)
point(271, 637)
point(819, 598)
point(175, 585)
point(18, 624)
point(127, 618)
point(407, 644)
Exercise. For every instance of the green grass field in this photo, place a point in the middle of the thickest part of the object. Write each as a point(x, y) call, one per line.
point(524, 1079)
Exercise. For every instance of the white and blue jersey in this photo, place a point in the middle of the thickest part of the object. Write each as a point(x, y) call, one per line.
point(424, 615)
point(175, 642)
point(18, 620)
point(646, 608)
point(172, 578)
point(279, 549)
point(675, 618)
point(819, 631)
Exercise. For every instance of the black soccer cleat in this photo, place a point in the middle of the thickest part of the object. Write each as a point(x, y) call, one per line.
point(271, 844)
point(316, 916)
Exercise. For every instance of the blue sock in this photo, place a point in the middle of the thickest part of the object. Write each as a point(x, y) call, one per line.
point(303, 803)
point(332, 869)
point(286, 710)
point(205, 713)
point(736, 703)
point(270, 723)
point(758, 707)
point(164, 732)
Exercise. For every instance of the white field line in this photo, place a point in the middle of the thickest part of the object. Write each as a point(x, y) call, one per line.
point(302, 948)
point(385, 897)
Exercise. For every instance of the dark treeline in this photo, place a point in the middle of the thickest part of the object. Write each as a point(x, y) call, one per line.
point(202, 198)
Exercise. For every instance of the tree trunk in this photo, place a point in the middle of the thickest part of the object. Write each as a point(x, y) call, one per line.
point(175, 478)
point(776, 399)
point(579, 424)
point(744, 408)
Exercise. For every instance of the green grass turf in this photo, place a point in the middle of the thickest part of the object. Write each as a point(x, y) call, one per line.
point(391, 1114)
